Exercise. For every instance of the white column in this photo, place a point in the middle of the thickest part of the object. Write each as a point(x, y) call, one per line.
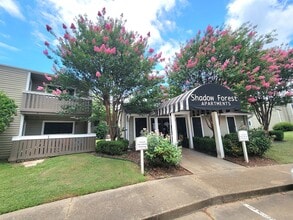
point(89, 127)
point(127, 127)
point(156, 126)
point(218, 137)
point(21, 125)
point(189, 124)
point(174, 138)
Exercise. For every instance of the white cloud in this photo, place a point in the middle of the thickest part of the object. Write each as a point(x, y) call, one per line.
point(8, 47)
point(142, 16)
point(12, 8)
point(268, 15)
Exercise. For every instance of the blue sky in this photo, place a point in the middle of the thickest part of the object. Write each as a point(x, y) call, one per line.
point(170, 22)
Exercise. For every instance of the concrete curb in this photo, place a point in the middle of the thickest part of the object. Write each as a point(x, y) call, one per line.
point(218, 200)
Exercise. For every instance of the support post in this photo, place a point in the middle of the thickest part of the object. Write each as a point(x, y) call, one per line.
point(218, 136)
point(190, 132)
point(245, 151)
point(156, 126)
point(174, 129)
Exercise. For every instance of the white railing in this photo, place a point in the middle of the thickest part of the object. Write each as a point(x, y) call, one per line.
point(48, 103)
point(41, 146)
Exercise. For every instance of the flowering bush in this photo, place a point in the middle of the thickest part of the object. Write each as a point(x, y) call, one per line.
point(161, 152)
point(7, 111)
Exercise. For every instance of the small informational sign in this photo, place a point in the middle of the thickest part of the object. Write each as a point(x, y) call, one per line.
point(141, 143)
point(243, 135)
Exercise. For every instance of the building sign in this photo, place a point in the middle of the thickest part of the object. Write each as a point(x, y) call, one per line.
point(213, 97)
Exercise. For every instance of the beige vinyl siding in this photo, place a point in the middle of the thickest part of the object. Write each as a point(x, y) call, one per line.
point(13, 83)
point(80, 127)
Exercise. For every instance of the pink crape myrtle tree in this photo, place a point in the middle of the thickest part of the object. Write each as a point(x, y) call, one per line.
point(103, 57)
point(240, 60)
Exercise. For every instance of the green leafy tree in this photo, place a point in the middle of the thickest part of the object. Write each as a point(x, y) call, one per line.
point(7, 111)
point(262, 78)
point(106, 59)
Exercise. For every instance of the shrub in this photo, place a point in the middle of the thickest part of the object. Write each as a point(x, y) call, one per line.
point(284, 126)
point(278, 135)
point(232, 146)
point(205, 144)
point(7, 111)
point(161, 152)
point(257, 145)
point(101, 130)
point(111, 147)
point(259, 142)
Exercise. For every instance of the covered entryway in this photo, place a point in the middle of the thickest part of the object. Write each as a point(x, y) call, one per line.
point(208, 99)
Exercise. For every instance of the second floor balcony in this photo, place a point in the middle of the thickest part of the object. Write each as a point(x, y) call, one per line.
point(44, 103)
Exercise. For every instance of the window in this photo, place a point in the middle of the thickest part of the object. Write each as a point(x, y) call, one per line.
point(140, 124)
point(58, 128)
point(197, 129)
point(231, 124)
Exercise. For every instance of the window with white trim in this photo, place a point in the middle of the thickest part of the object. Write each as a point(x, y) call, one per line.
point(58, 128)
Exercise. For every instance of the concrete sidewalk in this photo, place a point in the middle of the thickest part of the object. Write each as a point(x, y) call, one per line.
point(166, 198)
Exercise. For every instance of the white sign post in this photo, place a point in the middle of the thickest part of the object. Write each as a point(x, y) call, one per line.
point(242, 137)
point(141, 143)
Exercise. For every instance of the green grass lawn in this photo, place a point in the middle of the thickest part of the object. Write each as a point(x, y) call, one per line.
point(62, 177)
point(282, 151)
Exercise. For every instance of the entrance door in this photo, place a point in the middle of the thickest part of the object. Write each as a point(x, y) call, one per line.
point(181, 131)
point(231, 124)
point(140, 124)
point(197, 129)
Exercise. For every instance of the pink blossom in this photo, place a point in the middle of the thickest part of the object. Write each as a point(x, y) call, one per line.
point(225, 64)
point(47, 43)
point(108, 26)
point(251, 100)
point(40, 88)
point(191, 64)
point(72, 26)
point(151, 50)
point(104, 11)
point(213, 59)
point(105, 39)
point(56, 92)
point(49, 78)
point(45, 52)
point(66, 36)
point(265, 84)
point(248, 87)
point(261, 77)
point(251, 34)
point(256, 69)
point(98, 74)
point(64, 26)
point(210, 29)
point(99, 14)
point(48, 28)
point(97, 49)
point(288, 93)
point(273, 67)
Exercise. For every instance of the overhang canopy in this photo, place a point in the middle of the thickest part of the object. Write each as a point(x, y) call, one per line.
point(208, 97)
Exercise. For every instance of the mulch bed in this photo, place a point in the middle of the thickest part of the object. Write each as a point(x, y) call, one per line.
point(164, 172)
point(151, 172)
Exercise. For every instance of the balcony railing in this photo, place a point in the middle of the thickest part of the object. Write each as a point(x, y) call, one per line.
point(35, 102)
point(41, 146)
